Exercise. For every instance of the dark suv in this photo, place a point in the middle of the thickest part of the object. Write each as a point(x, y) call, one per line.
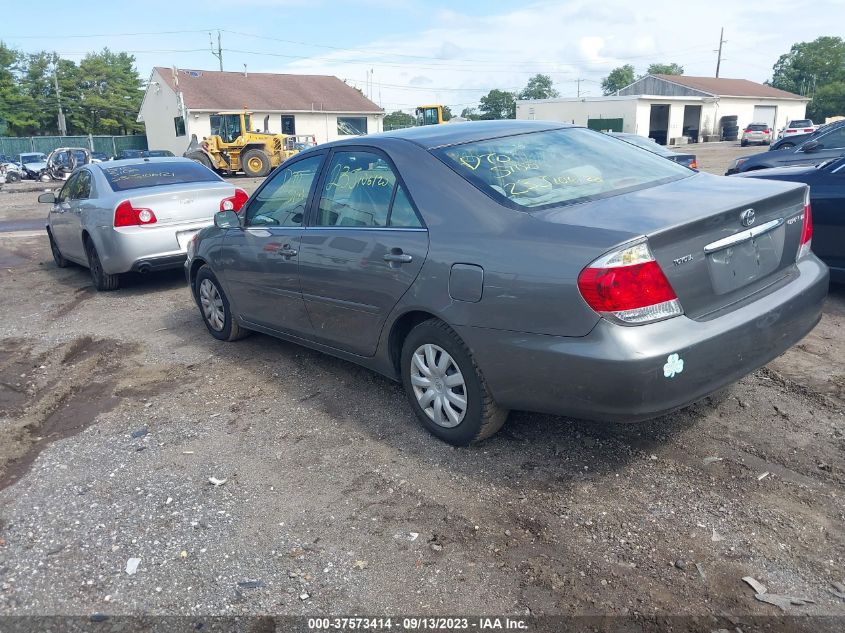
point(829, 143)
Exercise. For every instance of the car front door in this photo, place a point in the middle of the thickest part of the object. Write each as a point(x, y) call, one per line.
point(828, 196)
point(62, 221)
point(81, 204)
point(261, 269)
point(362, 250)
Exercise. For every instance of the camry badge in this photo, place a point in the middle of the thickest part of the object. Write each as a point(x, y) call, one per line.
point(747, 217)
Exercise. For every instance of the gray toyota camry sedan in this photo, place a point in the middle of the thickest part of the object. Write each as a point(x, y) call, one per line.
point(502, 265)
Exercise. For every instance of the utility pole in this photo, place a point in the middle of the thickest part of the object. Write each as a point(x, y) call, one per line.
point(722, 40)
point(578, 89)
point(219, 52)
point(61, 120)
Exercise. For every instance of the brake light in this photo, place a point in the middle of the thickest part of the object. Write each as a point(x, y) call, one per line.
point(629, 287)
point(807, 229)
point(693, 164)
point(234, 203)
point(809, 129)
point(125, 214)
point(749, 131)
point(766, 131)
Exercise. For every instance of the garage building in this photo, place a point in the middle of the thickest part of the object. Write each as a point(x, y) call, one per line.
point(179, 103)
point(669, 108)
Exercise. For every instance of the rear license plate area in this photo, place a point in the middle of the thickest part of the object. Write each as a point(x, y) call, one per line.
point(741, 264)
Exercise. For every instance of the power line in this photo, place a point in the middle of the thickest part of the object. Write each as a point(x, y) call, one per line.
point(52, 36)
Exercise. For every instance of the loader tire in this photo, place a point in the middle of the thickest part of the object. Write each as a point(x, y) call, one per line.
point(255, 163)
point(202, 159)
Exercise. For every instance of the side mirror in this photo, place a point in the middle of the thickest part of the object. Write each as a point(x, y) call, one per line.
point(47, 198)
point(811, 146)
point(226, 220)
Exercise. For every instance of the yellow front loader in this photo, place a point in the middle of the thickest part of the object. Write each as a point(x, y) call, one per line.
point(233, 146)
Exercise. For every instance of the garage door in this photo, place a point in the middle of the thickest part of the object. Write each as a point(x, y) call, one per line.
point(765, 114)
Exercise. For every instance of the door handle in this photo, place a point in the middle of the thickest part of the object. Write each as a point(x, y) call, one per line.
point(287, 252)
point(396, 258)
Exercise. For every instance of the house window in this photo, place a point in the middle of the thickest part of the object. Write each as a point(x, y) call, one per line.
point(351, 125)
point(288, 125)
point(179, 122)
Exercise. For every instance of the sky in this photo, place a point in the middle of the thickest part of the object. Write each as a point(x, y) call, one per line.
point(403, 53)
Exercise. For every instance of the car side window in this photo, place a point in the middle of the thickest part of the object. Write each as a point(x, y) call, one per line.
point(281, 202)
point(67, 190)
point(402, 212)
point(82, 191)
point(362, 190)
point(833, 140)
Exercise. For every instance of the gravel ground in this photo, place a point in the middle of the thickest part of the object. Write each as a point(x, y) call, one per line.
point(117, 408)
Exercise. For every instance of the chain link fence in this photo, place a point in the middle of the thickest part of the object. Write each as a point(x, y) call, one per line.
point(109, 145)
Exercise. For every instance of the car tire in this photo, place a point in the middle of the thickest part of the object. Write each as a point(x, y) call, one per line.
point(743, 143)
point(101, 279)
point(61, 262)
point(255, 163)
point(12, 176)
point(214, 307)
point(423, 351)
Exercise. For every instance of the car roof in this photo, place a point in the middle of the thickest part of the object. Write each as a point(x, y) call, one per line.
point(434, 136)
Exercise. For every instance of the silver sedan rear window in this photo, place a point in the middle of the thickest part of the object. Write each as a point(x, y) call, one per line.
point(154, 174)
point(555, 167)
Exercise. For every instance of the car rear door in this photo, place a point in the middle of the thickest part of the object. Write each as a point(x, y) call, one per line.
point(830, 145)
point(261, 270)
point(363, 248)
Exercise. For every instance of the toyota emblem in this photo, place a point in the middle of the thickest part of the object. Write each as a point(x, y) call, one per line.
point(747, 217)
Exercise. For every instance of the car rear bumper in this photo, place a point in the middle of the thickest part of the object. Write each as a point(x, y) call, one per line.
point(144, 248)
point(628, 374)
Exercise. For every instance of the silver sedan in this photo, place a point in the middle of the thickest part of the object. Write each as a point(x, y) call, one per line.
point(134, 215)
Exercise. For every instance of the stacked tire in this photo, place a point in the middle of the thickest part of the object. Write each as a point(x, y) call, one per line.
point(730, 128)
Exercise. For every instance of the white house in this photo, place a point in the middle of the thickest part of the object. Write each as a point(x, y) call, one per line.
point(668, 107)
point(179, 103)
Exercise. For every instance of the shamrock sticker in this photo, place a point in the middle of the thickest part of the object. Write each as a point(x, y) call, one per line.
point(674, 365)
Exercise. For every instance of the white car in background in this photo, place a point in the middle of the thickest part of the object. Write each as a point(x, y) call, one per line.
point(798, 126)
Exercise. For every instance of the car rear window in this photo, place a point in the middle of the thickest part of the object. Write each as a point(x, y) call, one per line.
point(758, 127)
point(802, 123)
point(543, 169)
point(153, 174)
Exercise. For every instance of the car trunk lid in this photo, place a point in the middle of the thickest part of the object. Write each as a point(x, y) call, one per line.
point(181, 203)
point(695, 230)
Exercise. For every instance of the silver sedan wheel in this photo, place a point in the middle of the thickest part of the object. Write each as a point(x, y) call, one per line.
point(212, 305)
point(438, 385)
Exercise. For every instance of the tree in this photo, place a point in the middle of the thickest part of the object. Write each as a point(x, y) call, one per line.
point(815, 69)
point(397, 120)
point(470, 114)
point(109, 93)
point(539, 87)
point(498, 104)
point(447, 113)
point(665, 69)
point(16, 106)
point(618, 79)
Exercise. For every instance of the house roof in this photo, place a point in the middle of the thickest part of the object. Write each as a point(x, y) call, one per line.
point(220, 90)
point(722, 87)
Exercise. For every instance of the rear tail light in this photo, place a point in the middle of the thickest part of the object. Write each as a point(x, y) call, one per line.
point(125, 214)
point(629, 287)
point(806, 229)
point(809, 129)
point(234, 203)
point(749, 131)
point(693, 164)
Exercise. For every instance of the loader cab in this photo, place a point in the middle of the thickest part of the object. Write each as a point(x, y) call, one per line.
point(230, 125)
point(429, 115)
